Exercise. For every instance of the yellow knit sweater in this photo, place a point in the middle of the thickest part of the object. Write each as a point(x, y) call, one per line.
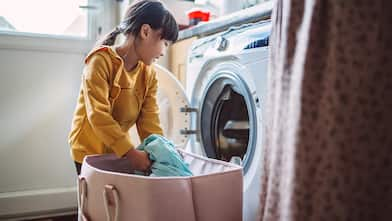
point(110, 102)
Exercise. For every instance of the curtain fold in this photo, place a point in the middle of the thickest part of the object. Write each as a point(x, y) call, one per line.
point(327, 149)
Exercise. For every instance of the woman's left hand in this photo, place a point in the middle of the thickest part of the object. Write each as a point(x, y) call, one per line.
point(139, 160)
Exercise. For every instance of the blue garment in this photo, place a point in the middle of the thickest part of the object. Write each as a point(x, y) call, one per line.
point(166, 161)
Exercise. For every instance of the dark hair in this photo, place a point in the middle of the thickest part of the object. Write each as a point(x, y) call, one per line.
point(141, 12)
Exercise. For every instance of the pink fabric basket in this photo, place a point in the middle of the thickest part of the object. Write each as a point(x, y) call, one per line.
point(108, 191)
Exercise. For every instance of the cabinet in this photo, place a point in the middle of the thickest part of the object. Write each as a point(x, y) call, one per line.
point(178, 54)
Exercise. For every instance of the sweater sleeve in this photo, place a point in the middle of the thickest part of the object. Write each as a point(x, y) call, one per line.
point(96, 95)
point(148, 121)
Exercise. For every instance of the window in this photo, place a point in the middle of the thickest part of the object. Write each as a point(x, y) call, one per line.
point(48, 17)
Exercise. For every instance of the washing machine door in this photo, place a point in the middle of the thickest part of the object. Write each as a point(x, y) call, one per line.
point(173, 107)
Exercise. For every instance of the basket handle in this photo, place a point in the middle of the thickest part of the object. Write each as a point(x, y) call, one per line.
point(110, 188)
point(82, 192)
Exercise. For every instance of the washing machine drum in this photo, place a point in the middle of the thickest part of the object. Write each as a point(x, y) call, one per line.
point(226, 134)
point(225, 120)
point(171, 100)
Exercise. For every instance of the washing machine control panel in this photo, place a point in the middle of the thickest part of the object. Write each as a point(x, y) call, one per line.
point(221, 43)
point(235, 39)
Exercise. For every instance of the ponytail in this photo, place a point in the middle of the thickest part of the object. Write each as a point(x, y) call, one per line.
point(109, 38)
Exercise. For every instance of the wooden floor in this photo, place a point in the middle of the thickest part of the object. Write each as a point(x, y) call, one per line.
point(62, 218)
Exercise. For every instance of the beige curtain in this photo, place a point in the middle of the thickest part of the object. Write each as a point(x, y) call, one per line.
point(328, 147)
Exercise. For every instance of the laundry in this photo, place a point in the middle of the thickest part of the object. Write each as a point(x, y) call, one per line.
point(166, 161)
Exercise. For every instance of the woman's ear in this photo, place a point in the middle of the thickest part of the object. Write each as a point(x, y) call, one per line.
point(145, 31)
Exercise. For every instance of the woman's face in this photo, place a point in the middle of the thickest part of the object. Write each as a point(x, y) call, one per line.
point(151, 46)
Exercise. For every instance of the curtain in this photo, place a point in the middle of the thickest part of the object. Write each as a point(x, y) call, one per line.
point(327, 149)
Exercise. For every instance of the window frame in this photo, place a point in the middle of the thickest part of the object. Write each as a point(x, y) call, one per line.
point(54, 43)
point(41, 42)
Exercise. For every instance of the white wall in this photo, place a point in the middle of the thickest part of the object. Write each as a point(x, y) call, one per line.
point(40, 80)
point(179, 9)
point(38, 91)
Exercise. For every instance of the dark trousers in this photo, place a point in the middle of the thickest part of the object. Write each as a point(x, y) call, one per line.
point(78, 167)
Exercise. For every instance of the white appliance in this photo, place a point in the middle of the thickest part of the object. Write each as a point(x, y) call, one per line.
point(221, 111)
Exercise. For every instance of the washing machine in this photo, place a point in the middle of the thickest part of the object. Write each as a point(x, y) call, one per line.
point(219, 115)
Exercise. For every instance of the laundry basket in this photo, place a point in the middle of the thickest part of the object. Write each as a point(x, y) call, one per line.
point(109, 191)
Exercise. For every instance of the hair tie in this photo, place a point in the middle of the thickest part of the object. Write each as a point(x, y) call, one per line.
point(116, 31)
point(122, 26)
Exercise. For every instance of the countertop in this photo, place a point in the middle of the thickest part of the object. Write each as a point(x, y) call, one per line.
point(253, 14)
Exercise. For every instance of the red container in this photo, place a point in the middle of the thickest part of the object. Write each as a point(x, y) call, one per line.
point(195, 16)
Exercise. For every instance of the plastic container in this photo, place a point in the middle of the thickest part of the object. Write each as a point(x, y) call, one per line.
point(197, 15)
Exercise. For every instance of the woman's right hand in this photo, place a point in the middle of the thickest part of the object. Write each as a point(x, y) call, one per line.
point(139, 160)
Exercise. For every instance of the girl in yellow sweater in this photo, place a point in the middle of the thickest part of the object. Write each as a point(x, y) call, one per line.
point(119, 86)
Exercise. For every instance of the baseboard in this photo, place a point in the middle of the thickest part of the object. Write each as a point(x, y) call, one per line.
point(38, 203)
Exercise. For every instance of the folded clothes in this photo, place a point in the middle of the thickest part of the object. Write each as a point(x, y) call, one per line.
point(166, 161)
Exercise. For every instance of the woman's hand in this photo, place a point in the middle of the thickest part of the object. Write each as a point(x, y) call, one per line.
point(139, 160)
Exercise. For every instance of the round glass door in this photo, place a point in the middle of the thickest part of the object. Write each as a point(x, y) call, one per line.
point(228, 119)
